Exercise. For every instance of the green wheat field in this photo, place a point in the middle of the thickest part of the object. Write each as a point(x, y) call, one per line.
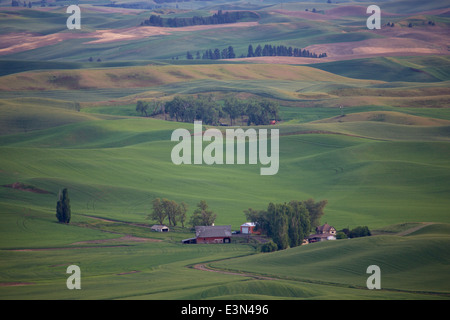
point(381, 161)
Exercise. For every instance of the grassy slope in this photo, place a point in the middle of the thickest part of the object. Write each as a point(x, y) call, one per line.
point(412, 69)
point(127, 158)
point(416, 263)
point(374, 173)
point(149, 76)
point(108, 272)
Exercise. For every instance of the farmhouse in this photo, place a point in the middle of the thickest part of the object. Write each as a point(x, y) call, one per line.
point(323, 233)
point(213, 234)
point(160, 228)
point(248, 228)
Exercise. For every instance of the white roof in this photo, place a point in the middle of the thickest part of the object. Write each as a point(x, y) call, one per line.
point(158, 226)
point(248, 224)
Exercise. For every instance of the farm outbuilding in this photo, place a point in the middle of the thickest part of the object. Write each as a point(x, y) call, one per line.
point(248, 228)
point(213, 234)
point(160, 228)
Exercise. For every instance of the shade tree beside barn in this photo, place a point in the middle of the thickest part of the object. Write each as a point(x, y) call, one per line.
point(287, 224)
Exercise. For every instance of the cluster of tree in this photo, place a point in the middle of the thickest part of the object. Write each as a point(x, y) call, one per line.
point(63, 211)
point(202, 215)
point(269, 50)
point(287, 224)
point(360, 231)
point(430, 23)
point(92, 59)
point(257, 112)
point(209, 111)
point(176, 212)
point(164, 208)
point(217, 18)
point(269, 246)
point(188, 109)
point(15, 3)
point(214, 54)
point(144, 108)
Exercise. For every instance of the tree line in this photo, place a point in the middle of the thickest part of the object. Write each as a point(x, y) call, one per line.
point(360, 231)
point(210, 111)
point(15, 3)
point(217, 18)
point(287, 224)
point(267, 51)
point(281, 50)
point(214, 54)
point(175, 213)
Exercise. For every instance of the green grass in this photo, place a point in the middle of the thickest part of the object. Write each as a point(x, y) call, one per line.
point(419, 69)
point(127, 162)
point(415, 264)
point(114, 168)
point(384, 165)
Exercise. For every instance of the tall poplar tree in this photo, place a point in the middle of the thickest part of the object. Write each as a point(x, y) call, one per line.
point(63, 211)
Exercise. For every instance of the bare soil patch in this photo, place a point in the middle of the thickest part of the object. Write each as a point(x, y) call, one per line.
point(15, 284)
point(102, 9)
point(130, 272)
point(414, 229)
point(18, 42)
point(393, 44)
point(335, 13)
point(352, 10)
point(26, 187)
point(136, 33)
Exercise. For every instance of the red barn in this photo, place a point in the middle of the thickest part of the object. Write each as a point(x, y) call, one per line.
point(213, 234)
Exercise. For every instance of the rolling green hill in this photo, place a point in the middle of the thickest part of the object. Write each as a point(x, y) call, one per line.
point(371, 135)
point(413, 265)
point(113, 168)
point(375, 165)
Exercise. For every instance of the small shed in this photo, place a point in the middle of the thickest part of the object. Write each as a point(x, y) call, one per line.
point(160, 228)
point(213, 234)
point(248, 228)
point(190, 240)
